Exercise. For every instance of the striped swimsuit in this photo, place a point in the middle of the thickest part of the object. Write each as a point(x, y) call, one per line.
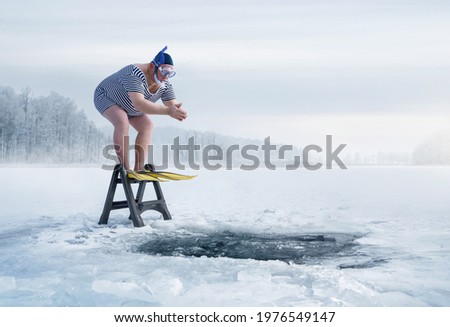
point(114, 89)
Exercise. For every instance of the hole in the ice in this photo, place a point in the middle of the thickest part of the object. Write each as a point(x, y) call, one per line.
point(370, 263)
point(299, 249)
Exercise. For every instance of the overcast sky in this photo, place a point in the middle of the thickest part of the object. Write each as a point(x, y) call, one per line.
point(375, 74)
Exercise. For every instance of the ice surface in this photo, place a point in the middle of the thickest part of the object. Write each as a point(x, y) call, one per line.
point(7, 283)
point(53, 252)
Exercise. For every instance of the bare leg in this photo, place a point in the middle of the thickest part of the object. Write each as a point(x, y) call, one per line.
point(144, 126)
point(119, 118)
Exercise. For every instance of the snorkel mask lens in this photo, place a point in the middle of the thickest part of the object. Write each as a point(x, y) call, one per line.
point(166, 71)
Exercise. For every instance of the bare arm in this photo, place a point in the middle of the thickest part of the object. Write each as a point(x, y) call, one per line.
point(170, 102)
point(145, 106)
point(171, 107)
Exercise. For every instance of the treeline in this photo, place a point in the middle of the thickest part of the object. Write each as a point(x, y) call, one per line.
point(51, 130)
point(46, 129)
point(433, 151)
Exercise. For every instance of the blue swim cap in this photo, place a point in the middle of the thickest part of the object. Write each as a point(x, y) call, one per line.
point(163, 58)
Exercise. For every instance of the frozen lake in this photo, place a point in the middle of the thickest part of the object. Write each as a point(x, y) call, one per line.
point(366, 236)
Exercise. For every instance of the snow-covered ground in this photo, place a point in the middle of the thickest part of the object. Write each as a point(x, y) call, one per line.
point(394, 222)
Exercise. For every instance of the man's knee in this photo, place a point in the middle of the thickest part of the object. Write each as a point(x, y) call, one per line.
point(148, 126)
point(145, 126)
point(122, 126)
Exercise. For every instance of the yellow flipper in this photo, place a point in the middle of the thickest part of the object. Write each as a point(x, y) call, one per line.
point(142, 176)
point(169, 175)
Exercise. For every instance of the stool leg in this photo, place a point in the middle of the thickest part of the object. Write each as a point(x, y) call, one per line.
point(139, 195)
point(134, 211)
point(163, 206)
point(140, 192)
point(109, 198)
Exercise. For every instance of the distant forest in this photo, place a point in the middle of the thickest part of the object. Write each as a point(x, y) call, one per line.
point(433, 151)
point(52, 130)
point(47, 129)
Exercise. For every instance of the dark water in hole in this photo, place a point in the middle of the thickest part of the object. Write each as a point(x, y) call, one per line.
point(299, 249)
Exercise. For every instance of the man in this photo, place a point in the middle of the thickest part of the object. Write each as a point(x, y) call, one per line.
point(128, 97)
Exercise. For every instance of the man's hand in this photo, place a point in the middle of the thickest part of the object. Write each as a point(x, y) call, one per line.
point(176, 111)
